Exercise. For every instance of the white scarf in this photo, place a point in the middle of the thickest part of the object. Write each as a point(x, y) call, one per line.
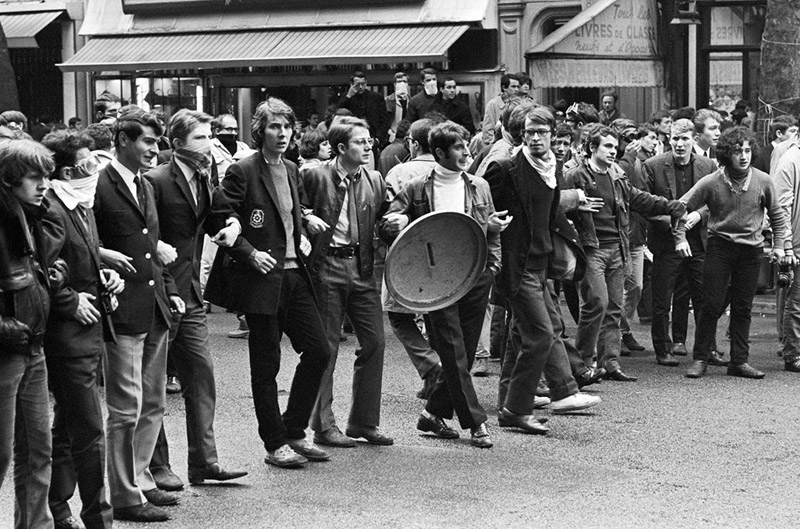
point(76, 191)
point(545, 167)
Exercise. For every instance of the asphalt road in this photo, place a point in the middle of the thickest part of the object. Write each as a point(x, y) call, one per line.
point(665, 451)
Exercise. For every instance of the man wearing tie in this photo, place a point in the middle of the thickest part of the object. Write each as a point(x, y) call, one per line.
point(135, 366)
point(183, 199)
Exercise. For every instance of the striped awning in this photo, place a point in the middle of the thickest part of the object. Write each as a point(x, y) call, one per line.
point(21, 28)
point(266, 48)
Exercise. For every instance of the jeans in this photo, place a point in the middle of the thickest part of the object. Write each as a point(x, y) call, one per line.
point(25, 435)
point(633, 288)
point(669, 269)
point(537, 347)
point(601, 307)
point(738, 265)
point(79, 454)
point(299, 318)
point(456, 330)
point(340, 291)
point(405, 328)
point(791, 320)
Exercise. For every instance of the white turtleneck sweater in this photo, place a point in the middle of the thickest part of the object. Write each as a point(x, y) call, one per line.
point(449, 193)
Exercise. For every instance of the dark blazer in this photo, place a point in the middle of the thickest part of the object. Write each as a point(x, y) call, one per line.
point(248, 194)
point(323, 194)
point(75, 241)
point(181, 223)
point(659, 174)
point(123, 226)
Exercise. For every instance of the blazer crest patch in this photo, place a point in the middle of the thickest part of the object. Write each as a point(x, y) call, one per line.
point(257, 218)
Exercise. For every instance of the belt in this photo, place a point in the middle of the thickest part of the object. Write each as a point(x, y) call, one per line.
point(343, 252)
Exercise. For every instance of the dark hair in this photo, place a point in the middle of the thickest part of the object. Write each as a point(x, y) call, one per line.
point(505, 80)
point(511, 104)
point(445, 135)
point(21, 157)
point(683, 113)
point(419, 132)
point(310, 142)
point(65, 145)
point(266, 110)
point(101, 136)
point(596, 134)
point(583, 113)
point(400, 75)
point(609, 93)
point(644, 129)
point(516, 121)
point(541, 115)
point(781, 124)
point(447, 79)
point(731, 139)
point(426, 71)
point(184, 121)
point(524, 78)
point(357, 73)
point(402, 129)
point(564, 129)
point(342, 132)
point(131, 120)
point(102, 102)
point(73, 121)
point(658, 116)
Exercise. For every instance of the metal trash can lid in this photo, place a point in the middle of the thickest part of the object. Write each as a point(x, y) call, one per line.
point(436, 260)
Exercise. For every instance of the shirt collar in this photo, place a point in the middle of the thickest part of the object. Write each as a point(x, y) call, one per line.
point(342, 173)
point(126, 174)
point(187, 171)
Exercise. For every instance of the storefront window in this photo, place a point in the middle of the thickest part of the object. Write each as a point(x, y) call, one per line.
point(166, 94)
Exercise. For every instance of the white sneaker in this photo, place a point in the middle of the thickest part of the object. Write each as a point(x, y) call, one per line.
point(576, 402)
point(540, 402)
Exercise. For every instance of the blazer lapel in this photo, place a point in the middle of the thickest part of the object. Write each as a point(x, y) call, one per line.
point(266, 178)
point(669, 172)
point(180, 180)
point(123, 189)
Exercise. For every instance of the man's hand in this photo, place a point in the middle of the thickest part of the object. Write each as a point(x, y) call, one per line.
point(692, 219)
point(262, 261)
point(590, 204)
point(789, 259)
point(305, 245)
point(635, 145)
point(683, 249)
point(176, 305)
point(498, 224)
point(86, 313)
point(316, 225)
point(395, 222)
point(228, 235)
point(112, 282)
point(13, 332)
point(117, 260)
point(676, 208)
point(167, 253)
point(779, 256)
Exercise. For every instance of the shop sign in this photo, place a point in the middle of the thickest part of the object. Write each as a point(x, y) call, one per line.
point(596, 72)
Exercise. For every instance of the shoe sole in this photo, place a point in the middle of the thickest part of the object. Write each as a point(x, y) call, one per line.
point(293, 464)
point(570, 409)
point(372, 441)
point(322, 442)
point(315, 459)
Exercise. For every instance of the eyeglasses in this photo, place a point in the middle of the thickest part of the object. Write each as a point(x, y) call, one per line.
point(364, 141)
point(230, 129)
point(541, 132)
point(88, 166)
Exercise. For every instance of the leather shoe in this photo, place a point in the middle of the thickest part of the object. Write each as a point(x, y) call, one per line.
point(679, 349)
point(630, 343)
point(214, 472)
point(576, 402)
point(526, 423)
point(792, 365)
point(667, 359)
point(620, 376)
point(166, 479)
point(309, 450)
point(436, 425)
point(744, 371)
point(146, 512)
point(480, 437)
point(69, 523)
point(173, 386)
point(697, 369)
point(590, 376)
point(285, 457)
point(161, 498)
point(333, 436)
point(371, 435)
point(715, 359)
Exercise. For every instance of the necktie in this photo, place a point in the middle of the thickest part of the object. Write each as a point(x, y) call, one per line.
point(140, 197)
point(201, 186)
point(352, 211)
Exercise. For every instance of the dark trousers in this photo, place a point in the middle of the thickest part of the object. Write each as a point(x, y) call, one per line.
point(188, 350)
point(298, 317)
point(726, 264)
point(79, 456)
point(456, 330)
point(668, 268)
point(537, 346)
point(645, 307)
point(680, 309)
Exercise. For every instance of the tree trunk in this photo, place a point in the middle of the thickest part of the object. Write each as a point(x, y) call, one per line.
point(780, 58)
point(9, 99)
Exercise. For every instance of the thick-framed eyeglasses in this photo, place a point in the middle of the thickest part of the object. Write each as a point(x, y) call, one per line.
point(533, 132)
point(364, 142)
point(233, 130)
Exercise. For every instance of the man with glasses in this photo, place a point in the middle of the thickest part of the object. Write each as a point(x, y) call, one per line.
point(345, 200)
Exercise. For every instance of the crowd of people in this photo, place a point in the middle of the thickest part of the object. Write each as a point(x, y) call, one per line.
point(116, 240)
